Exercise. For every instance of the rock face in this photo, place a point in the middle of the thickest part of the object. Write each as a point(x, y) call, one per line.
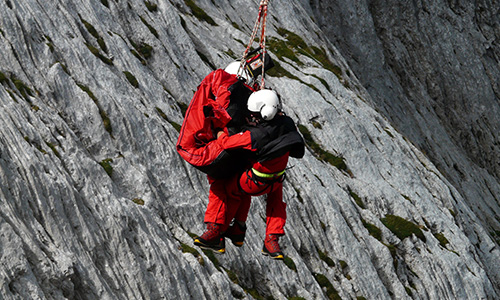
point(432, 68)
point(96, 203)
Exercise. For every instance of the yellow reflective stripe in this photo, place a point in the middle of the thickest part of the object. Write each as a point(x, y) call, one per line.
point(266, 175)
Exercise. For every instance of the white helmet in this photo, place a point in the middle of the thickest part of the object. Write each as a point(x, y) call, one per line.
point(234, 67)
point(264, 101)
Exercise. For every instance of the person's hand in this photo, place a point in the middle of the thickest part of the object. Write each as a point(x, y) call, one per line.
point(219, 133)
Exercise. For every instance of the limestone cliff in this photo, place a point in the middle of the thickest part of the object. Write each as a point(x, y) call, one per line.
point(396, 197)
point(432, 68)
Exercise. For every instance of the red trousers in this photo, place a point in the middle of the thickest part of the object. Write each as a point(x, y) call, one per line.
point(222, 203)
point(230, 198)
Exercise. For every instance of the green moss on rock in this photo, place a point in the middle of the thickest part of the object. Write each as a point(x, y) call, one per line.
point(290, 263)
point(443, 241)
point(131, 78)
point(323, 281)
point(357, 199)
point(22, 87)
point(212, 258)
point(324, 257)
point(152, 7)
point(142, 51)
point(106, 164)
point(177, 126)
point(105, 119)
point(373, 230)
point(53, 148)
point(199, 13)
point(98, 54)
point(322, 154)
point(3, 79)
point(151, 28)
point(294, 45)
point(402, 228)
point(138, 201)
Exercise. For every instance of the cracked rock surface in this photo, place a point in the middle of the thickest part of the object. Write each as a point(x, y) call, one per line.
point(97, 204)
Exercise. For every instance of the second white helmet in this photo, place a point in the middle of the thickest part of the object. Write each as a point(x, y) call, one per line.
point(234, 68)
point(264, 101)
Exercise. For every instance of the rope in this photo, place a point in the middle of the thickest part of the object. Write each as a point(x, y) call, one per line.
point(263, 43)
point(259, 23)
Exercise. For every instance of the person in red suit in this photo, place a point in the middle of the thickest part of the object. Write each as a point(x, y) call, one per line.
point(218, 105)
point(272, 138)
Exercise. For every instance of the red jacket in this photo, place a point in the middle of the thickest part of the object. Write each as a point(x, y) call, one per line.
point(206, 115)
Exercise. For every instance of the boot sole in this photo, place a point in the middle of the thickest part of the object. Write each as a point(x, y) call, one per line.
point(277, 257)
point(238, 244)
point(209, 247)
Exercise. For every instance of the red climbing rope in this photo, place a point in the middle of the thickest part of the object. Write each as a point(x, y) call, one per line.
point(259, 23)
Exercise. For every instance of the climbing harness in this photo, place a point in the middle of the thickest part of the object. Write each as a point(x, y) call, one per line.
point(267, 175)
point(266, 184)
point(261, 61)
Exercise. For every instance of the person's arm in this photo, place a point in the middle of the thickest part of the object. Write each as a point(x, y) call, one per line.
point(242, 140)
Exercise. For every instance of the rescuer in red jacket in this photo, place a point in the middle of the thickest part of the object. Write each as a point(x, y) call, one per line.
point(273, 137)
point(218, 104)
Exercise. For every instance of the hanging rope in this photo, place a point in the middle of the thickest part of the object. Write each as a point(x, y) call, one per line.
point(259, 23)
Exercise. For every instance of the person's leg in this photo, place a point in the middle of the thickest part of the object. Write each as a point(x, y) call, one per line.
point(275, 211)
point(242, 188)
point(217, 198)
point(240, 212)
point(215, 215)
point(275, 222)
point(276, 208)
point(238, 205)
point(237, 209)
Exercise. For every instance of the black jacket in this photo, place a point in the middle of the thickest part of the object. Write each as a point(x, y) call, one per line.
point(276, 137)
